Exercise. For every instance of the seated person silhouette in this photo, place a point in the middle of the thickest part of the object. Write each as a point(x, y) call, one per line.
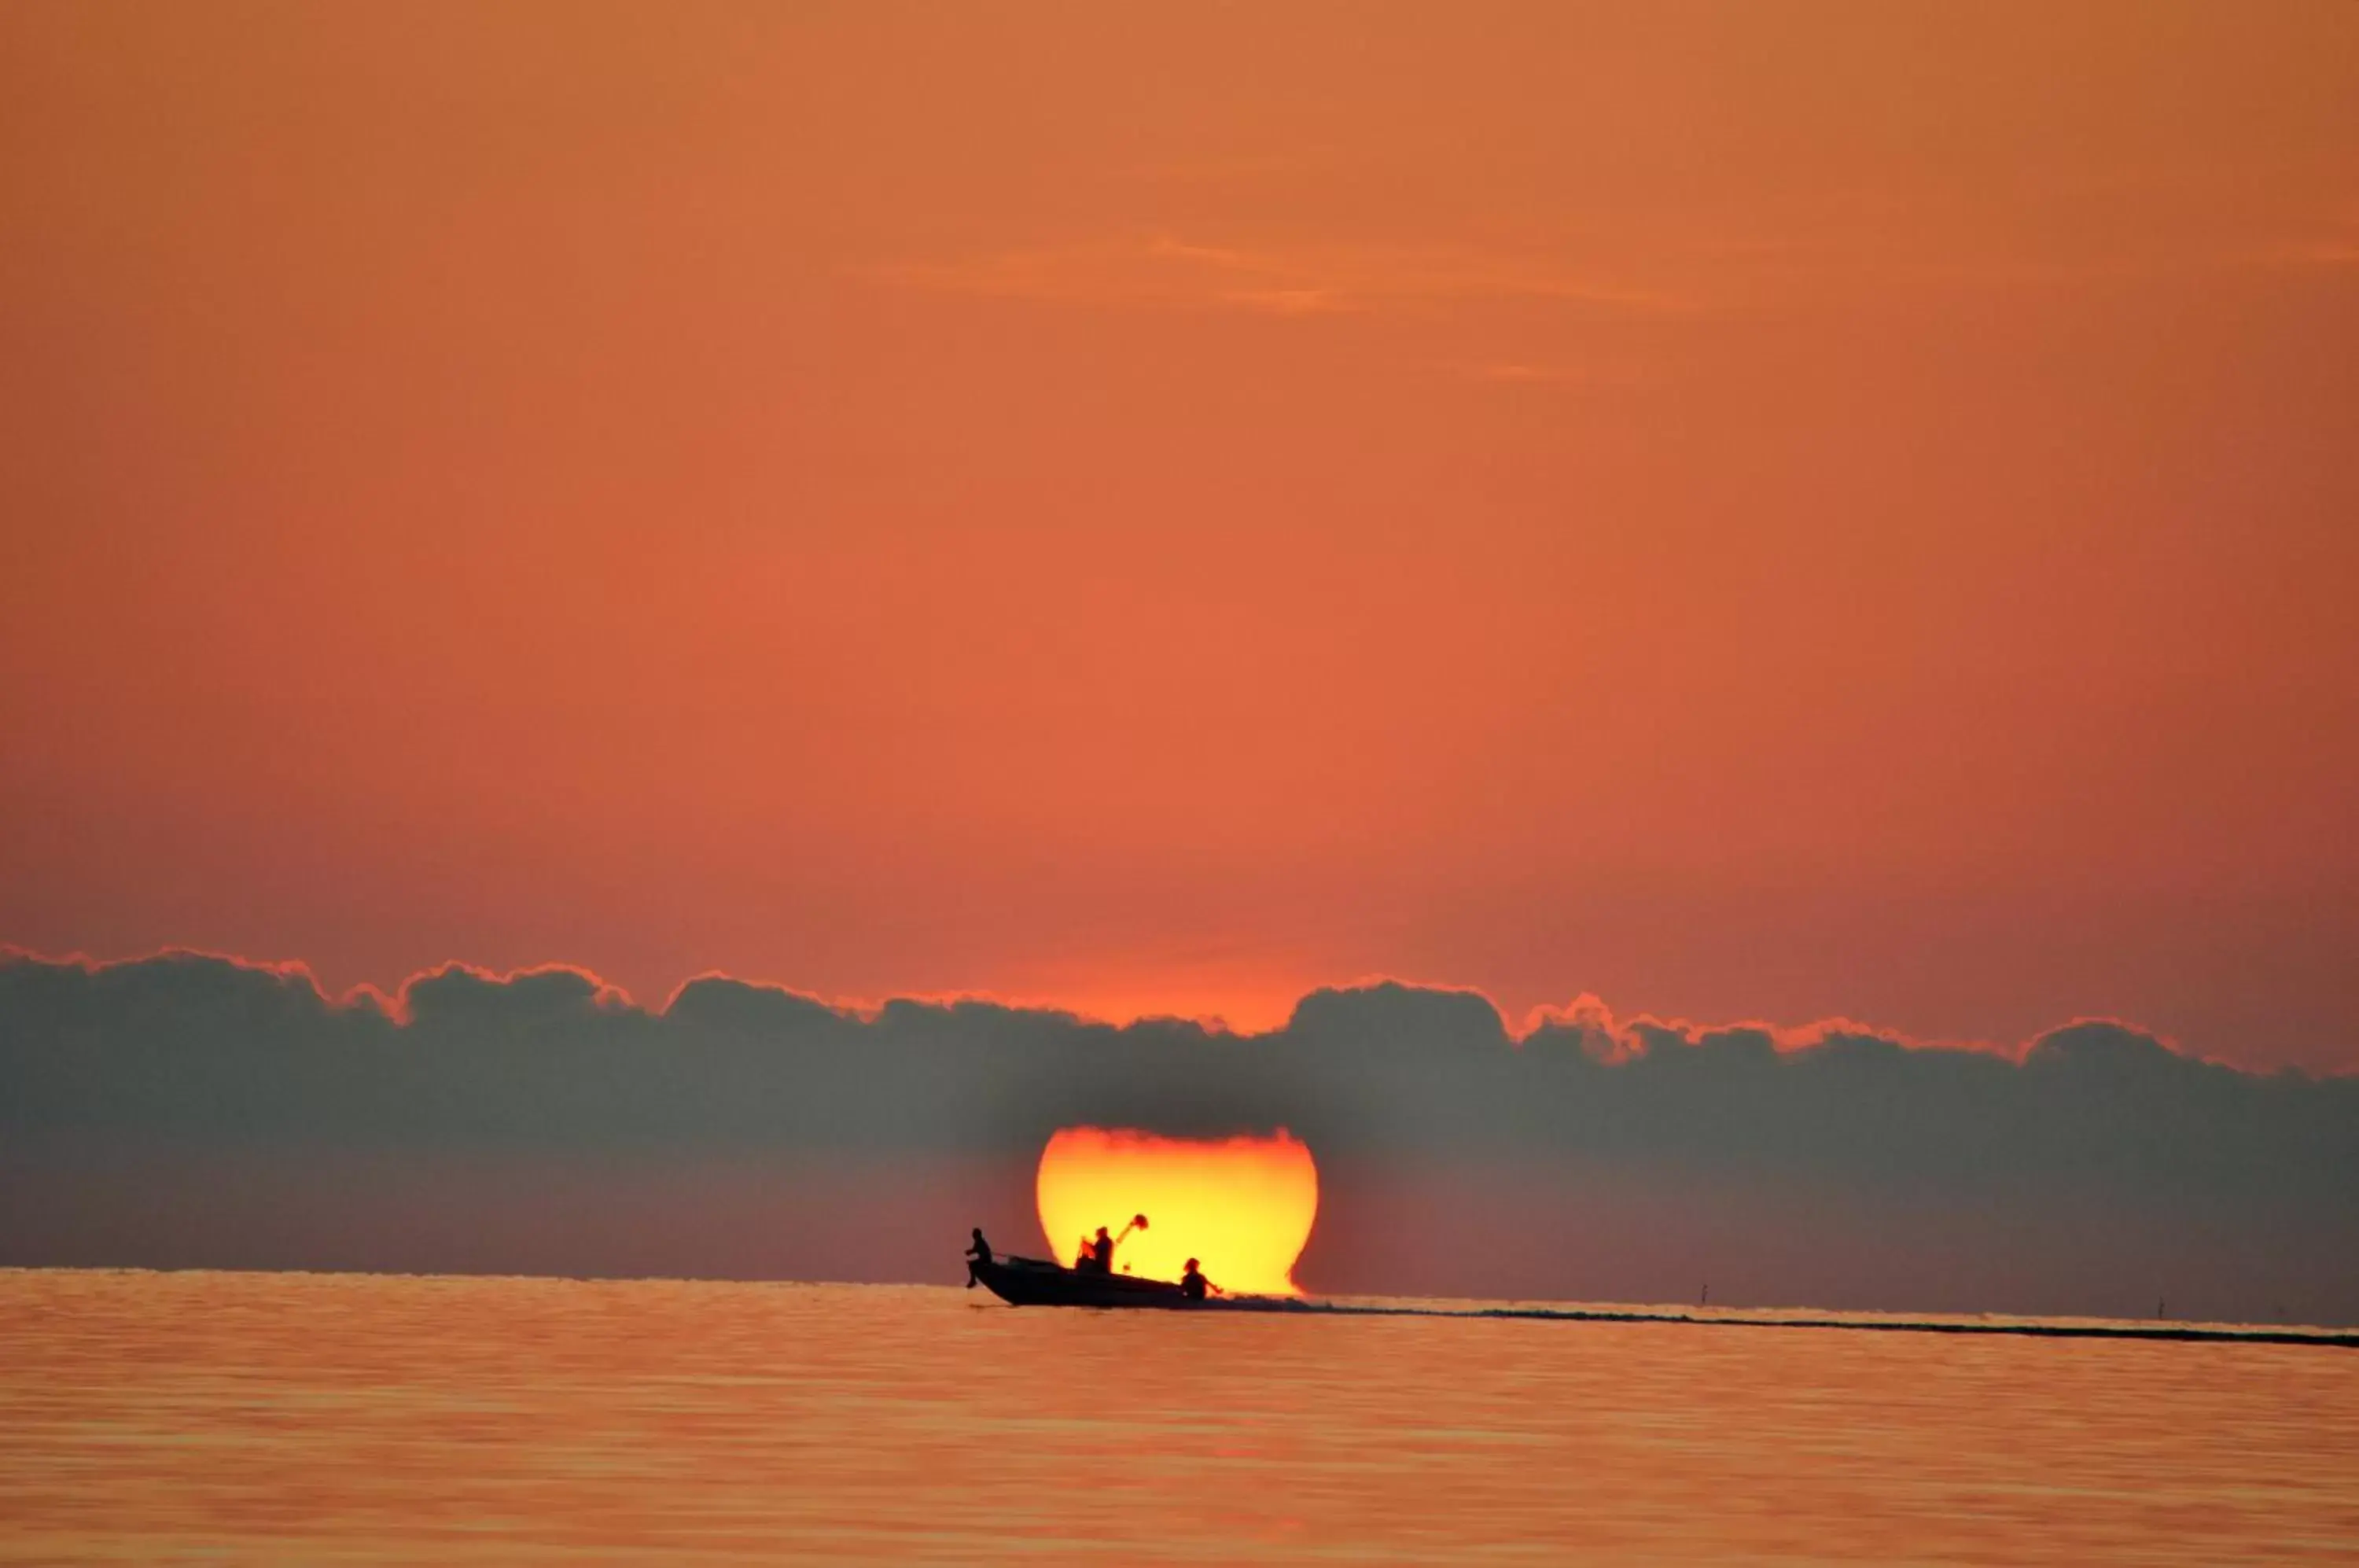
point(978, 1251)
point(1097, 1257)
point(1192, 1284)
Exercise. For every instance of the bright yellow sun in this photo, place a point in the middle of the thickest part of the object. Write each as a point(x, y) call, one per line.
point(1242, 1206)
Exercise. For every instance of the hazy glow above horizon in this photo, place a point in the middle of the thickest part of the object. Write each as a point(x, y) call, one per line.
point(1242, 1206)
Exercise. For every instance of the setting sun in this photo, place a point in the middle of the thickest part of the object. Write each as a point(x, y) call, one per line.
point(1244, 1206)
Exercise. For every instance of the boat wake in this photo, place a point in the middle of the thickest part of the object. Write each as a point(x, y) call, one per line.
point(2229, 1333)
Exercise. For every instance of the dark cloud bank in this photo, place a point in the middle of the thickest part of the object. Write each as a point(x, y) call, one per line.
point(195, 1111)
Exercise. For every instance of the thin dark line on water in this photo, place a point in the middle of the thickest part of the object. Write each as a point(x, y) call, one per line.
point(1886, 1325)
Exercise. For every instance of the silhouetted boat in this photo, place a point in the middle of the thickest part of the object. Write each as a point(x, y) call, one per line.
point(1034, 1282)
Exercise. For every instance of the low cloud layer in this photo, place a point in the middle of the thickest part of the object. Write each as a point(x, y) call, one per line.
point(188, 1109)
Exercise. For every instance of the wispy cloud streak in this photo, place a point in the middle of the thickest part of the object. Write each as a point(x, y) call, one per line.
point(1162, 270)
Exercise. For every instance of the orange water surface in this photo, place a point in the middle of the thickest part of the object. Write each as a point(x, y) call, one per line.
point(359, 1419)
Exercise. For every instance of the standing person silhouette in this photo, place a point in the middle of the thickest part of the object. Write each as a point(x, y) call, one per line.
point(1192, 1284)
point(978, 1252)
point(1099, 1256)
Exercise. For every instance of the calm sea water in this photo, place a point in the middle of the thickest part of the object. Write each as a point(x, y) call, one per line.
point(356, 1419)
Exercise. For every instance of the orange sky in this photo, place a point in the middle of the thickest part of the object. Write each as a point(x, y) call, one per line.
point(1751, 511)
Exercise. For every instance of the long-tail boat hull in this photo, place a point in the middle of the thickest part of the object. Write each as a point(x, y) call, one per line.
point(1032, 1282)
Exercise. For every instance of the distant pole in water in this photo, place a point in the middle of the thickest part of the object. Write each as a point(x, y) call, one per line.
point(1705, 1299)
point(2157, 1306)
